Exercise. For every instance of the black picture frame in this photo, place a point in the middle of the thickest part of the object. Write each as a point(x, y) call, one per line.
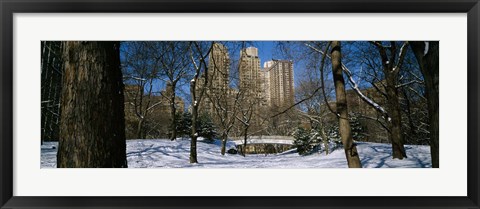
point(9, 7)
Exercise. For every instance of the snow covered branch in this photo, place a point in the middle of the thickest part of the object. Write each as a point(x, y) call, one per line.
point(408, 83)
point(134, 78)
point(355, 87)
point(401, 56)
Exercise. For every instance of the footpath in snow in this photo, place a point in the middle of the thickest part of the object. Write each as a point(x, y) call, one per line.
point(162, 153)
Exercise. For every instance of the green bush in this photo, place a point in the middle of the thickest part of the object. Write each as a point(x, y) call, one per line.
point(205, 126)
point(305, 141)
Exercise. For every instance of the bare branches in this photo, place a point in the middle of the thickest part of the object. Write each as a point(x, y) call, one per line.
point(401, 57)
point(322, 65)
point(297, 103)
point(376, 120)
point(355, 86)
point(134, 78)
point(408, 83)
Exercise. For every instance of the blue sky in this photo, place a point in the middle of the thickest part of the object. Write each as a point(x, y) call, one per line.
point(267, 50)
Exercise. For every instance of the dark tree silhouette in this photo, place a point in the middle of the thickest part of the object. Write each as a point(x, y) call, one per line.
point(428, 58)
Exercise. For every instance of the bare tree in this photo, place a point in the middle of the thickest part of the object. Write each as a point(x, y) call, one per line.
point(174, 67)
point(427, 54)
point(92, 131)
point(246, 110)
point(198, 55)
point(344, 124)
point(140, 70)
point(317, 109)
point(391, 65)
point(225, 105)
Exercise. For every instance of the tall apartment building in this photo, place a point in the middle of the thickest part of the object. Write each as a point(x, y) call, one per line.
point(218, 76)
point(279, 79)
point(250, 74)
point(219, 67)
point(266, 82)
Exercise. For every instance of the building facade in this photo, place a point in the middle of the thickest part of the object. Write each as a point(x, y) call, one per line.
point(250, 73)
point(219, 67)
point(218, 78)
point(279, 83)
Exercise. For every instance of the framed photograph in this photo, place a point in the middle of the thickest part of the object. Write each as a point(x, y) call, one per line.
point(265, 104)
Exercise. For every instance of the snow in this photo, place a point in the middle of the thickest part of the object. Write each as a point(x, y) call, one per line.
point(425, 51)
point(137, 78)
point(264, 141)
point(163, 153)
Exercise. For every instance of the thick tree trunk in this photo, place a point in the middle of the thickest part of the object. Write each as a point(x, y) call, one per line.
point(428, 59)
point(344, 124)
point(395, 120)
point(394, 117)
point(92, 130)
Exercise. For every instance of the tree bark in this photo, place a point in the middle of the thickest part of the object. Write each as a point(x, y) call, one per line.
point(92, 130)
point(245, 137)
point(173, 113)
point(193, 143)
point(224, 142)
point(344, 124)
point(391, 68)
point(140, 128)
point(428, 59)
point(325, 140)
point(395, 120)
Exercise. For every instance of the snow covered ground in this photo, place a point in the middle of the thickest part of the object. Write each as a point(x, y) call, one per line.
point(162, 153)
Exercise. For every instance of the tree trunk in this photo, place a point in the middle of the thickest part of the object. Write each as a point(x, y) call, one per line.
point(139, 128)
point(325, 140)
point(194, 135)
point(428, 59)
point(395, 120)
point(172, 114)
point(344, 124)
point(224, 142)
point(245, 137)
point(92, 130)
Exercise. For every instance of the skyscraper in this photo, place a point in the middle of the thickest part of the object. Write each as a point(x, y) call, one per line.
point(280, 83)
point(250, 75)
point(218, 76)
point(219, 67)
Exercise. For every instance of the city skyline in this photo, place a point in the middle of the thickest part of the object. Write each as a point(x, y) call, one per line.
point(267, 51)
point(262, 50)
